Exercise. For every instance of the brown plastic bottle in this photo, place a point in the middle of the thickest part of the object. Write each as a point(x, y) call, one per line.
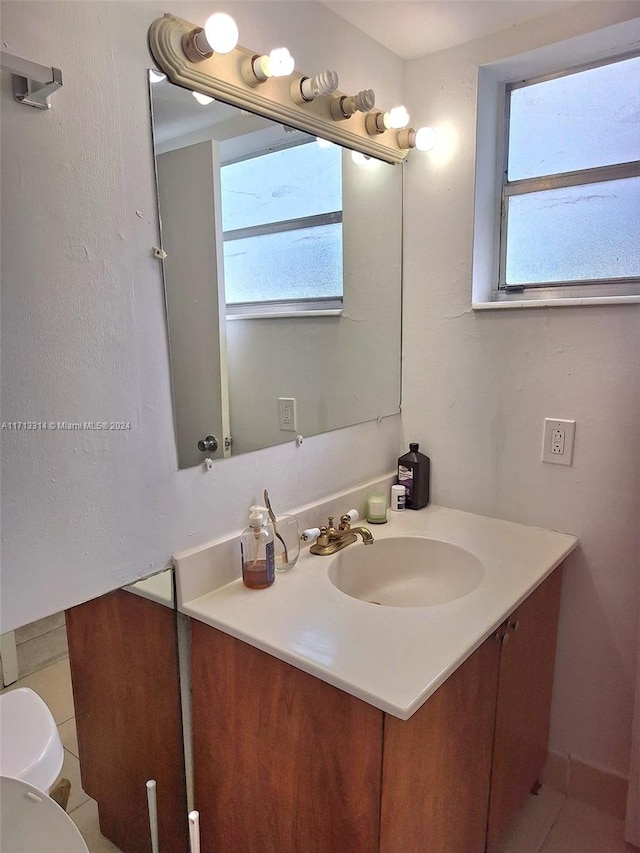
point(413, 473)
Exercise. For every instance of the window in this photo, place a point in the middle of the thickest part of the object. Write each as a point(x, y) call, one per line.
point(282, 230)
point(570, 200)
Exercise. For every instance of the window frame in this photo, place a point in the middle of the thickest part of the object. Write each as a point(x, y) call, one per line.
point(575, 288)
point(605, 42)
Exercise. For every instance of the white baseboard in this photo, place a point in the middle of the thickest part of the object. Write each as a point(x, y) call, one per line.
point(8, 658)
point(600, 788)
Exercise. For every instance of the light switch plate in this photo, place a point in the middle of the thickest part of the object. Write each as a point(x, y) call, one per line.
point(558, 438)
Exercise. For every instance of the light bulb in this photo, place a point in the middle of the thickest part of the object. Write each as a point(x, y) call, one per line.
point(359, 158)
point(220, 35)
point(156, 76)
point(343, 106)
point(396, 118)
point(323, 143)
point(363, 102)
point(307, 88)
point(221, 31)
point(202, 99)
point(322, 83)
point(425, 138)
point(281, 63)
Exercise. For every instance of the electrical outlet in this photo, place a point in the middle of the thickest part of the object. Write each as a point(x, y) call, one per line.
point(557, 441)
point(287, 413)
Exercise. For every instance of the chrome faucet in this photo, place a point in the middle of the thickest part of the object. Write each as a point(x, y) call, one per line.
point(331, 539)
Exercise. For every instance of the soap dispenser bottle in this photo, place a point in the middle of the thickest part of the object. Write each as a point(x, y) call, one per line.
point(256, 547)
point(413, 474)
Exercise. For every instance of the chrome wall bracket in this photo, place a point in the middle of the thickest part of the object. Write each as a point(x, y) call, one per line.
point(32, 83)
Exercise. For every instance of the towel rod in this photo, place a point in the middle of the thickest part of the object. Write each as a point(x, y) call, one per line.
point(32, 83)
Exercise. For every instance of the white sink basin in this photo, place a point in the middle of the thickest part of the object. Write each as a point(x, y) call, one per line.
point(406, 571)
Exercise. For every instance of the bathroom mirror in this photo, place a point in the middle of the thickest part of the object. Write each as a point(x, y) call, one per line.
point(282, 277)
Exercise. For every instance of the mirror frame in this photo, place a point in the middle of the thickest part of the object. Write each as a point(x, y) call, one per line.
point(221, 77)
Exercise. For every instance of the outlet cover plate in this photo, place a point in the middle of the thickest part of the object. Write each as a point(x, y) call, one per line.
point(287, 414)
point(558, 438)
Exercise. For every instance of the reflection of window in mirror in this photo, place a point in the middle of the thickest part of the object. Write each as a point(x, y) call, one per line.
point(282, 229)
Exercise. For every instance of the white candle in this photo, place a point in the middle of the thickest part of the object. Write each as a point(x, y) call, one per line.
point(377, 509)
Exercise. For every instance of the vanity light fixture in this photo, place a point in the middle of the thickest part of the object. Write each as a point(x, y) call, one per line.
point(313, 104)
point(306, 89)
point(423, 139)
point(278, 63)
point(202, 99)
point(344, 106)
point(324, 143)
point(219, 35)
point(156, 76)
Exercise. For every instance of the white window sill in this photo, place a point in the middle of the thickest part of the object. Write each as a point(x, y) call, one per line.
point(557, 303)
point(336, 312)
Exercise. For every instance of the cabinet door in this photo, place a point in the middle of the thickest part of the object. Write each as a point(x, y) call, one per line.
point(124, 669)
point(284, 763)
point(524, 703)
point(437, 764)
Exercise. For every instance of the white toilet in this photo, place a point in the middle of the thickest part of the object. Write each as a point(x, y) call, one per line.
point(31, 756)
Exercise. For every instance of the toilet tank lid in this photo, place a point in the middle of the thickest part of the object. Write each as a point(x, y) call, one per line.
point(30, 745)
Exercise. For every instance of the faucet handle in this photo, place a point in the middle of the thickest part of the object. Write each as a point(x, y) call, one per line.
point(347, 518)
point(310, 533)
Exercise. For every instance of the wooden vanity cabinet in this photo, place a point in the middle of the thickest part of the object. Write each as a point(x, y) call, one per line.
point(285, 762)
point(124, 670)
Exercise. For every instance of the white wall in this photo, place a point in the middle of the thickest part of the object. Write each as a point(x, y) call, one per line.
point(477, 387)
point(84, 336)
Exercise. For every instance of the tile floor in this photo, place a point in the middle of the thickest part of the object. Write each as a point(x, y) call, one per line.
point(548, 822)
point(553, 823)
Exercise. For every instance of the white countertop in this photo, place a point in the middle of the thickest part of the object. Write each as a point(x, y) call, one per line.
point(157, 587)
point(391, 657)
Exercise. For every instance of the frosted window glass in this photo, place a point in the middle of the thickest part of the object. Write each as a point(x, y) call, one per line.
point(300, 264)
point(295, 182)
point(579, 121)
point(579, 233)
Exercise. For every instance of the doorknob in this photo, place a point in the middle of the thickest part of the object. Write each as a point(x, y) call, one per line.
point(208, 444)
